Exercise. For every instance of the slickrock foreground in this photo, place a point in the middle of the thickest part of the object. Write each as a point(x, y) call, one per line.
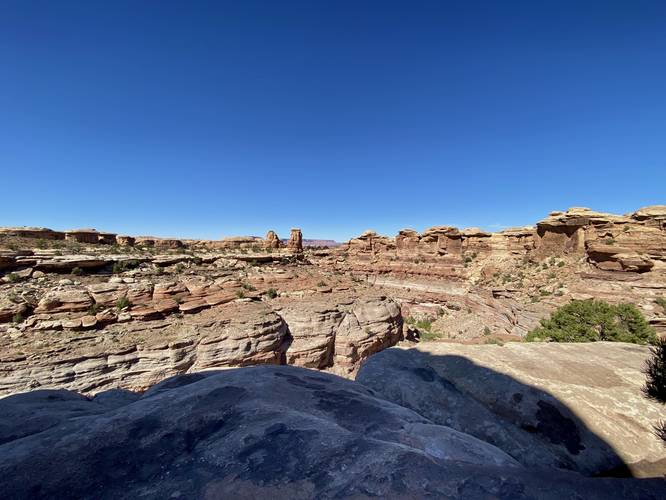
point(263, 432)
point(571, 406)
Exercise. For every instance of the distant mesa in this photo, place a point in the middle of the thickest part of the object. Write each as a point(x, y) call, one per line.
point(94, 236)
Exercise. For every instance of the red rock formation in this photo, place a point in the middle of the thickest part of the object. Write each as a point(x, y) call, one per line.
point(83, 235)
point(125, 241)
point(634, 243)
point(295, 241)
point(272, 240)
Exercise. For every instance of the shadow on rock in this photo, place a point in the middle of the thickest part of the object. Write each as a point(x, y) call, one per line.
point(528, 423)
point(273, 432)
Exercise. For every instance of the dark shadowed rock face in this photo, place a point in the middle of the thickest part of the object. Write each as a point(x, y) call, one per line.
point(261, 432)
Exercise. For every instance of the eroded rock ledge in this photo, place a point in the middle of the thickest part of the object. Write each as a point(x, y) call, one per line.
point(334, 333)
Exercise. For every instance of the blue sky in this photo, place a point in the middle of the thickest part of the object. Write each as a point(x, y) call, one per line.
point(203, 119)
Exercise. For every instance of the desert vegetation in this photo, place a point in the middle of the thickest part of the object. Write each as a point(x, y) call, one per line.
point(593, 320)
point(655, 386)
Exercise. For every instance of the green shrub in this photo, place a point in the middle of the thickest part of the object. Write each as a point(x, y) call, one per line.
point(593, 320)
point(249, 287)
point(13, 277)
point(655, 385)
point(561, 263)
point(655, 369)
point(125, 265)
point(180, 267)
point(17, 318)
point(486, 330)
point(94, 309)
point(322, 283)
point(240, 294)
point(424, 324)
point(271, 293)
point(77, 271)
point(122, 303)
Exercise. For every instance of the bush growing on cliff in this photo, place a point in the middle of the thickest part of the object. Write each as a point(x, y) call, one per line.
point(122, 303)
point(593, 320)
point(655, 386)
point(655, 369)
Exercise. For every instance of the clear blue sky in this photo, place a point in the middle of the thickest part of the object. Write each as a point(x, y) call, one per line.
point(203, 119)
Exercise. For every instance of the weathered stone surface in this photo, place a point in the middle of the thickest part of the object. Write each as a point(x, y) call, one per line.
point(334, 332)
point(573, 406)
point(312, 325)
point(11, 308)
point(64, 301)
point(331, 331)
point(261, 432)
point(107, 294)
point(370, 326)
point(66, 263)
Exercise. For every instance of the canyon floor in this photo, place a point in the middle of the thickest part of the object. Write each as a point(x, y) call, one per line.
point(427, 327)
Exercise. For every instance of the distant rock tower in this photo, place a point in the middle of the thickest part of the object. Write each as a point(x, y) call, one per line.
point(295, 243)
point(272, 240)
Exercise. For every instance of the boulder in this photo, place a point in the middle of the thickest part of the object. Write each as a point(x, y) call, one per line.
point(64, 301)
point(372, 324)
point(312, 326)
